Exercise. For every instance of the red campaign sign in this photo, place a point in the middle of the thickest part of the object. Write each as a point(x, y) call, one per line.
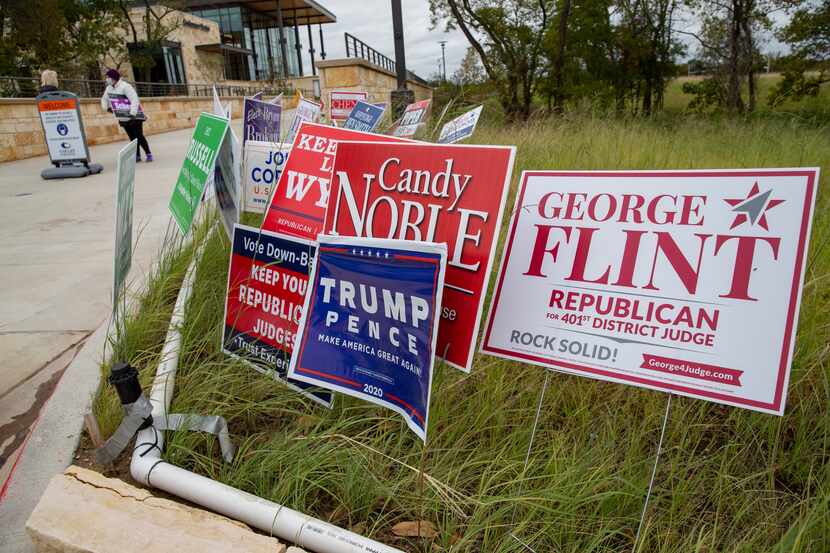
point(267, 280)
point(298, 205)
point(434, 193)
point(343, 101)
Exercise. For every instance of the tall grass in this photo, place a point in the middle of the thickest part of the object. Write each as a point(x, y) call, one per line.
point(729, 480)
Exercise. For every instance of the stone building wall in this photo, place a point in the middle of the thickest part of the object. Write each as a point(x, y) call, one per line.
point(21, 134)
point(190, 31)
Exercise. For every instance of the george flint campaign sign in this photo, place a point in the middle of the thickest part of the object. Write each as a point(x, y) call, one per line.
point(681, 281)
point(298, 206)
point(433, 193)
point(267, 282)
point(370, 322)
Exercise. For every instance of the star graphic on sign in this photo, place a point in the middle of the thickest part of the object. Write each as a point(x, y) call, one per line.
point(753, 208)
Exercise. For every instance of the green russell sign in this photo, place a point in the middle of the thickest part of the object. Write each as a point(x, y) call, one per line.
point(197, 168)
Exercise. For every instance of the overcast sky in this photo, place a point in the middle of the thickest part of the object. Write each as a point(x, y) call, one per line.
point(371, 22)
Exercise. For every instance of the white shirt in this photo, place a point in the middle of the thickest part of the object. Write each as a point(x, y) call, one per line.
point(126, 89)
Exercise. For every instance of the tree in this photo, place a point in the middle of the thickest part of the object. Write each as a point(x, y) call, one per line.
point(507, 35)
point(729, 41)
point(470, 71)
point(66, 35)
point(649, 44)
point(808, 34)
point(581, 54)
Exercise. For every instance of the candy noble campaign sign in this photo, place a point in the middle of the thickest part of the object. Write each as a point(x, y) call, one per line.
point(370, 321)
point(197, 168)
point(298, 205)
point(267, 282)
point(433, 193)
point(681, 281)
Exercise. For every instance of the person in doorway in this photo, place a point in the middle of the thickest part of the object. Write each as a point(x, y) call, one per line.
point(48, 81)
point(121, 99)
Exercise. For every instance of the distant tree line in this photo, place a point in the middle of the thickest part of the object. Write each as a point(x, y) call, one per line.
point(623, 53)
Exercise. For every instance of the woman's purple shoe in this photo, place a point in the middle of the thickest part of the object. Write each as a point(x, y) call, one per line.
point(149, 158)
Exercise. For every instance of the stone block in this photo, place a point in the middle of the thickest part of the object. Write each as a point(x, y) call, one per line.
point(83, 511)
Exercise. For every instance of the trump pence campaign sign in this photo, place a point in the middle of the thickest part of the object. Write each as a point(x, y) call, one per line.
point(370, 322)
point(432, 193)
point(681, 281)
point(298, 205)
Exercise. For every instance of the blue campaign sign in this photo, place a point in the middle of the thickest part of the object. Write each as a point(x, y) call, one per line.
point(370, 323)
point(267, 283)
point(364, 117)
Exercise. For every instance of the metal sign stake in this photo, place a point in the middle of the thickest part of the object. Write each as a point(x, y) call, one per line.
point(653, 473)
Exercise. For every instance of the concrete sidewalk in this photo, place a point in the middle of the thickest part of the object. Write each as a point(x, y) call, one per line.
point(56, 265)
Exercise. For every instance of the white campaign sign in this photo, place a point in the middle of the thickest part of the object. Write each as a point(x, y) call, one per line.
point(306, 111)
point(686, 282)
point(461, 127)
point(62, 129)
point(263, 165)
point(125, 184)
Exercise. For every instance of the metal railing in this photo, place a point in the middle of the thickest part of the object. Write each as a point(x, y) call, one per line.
point(27, 87)
point(356, 48)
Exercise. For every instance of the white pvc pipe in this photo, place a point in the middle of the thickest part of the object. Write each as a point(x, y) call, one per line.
point(148, 468)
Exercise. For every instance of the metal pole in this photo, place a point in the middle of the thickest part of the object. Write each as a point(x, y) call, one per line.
point(401, 97)
point(282, 42)
point(443, 44)
point(527, 454)
point(400, 56)
point(653, 473)
point(322, 44)
point(298, 45)
point(311, 48)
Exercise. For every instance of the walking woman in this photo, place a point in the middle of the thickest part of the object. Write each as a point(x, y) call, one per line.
point(121, 99)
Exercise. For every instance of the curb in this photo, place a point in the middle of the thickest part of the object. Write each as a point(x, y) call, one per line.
point(50, 446)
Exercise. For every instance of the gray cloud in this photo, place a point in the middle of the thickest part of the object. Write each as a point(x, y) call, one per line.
point(371, 22)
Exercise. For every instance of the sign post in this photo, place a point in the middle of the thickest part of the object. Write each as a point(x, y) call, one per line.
point(63, 128)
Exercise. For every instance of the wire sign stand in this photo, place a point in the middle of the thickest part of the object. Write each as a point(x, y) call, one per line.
point(541, 400)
